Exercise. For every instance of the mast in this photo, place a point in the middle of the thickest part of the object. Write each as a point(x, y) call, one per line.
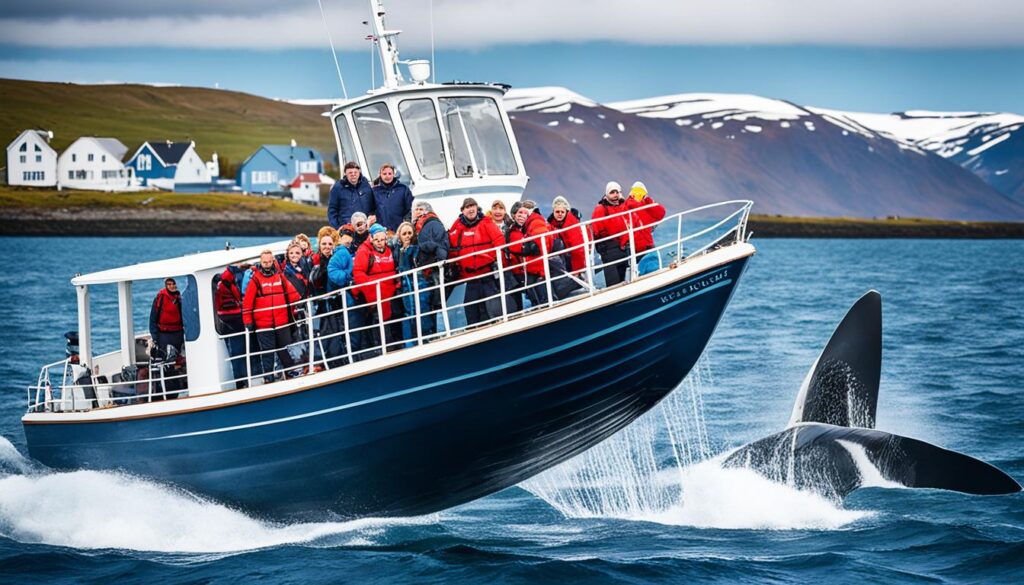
point(388, 46)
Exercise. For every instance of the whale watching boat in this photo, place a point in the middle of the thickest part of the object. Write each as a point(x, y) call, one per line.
point(452, 413)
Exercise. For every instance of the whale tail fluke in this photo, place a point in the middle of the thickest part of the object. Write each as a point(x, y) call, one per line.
point(841, 387)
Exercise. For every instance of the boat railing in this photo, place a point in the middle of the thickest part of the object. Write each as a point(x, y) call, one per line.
point(78, 389)
point(337, 329)
point(354, 322)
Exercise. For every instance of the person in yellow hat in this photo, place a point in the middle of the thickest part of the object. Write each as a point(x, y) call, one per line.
point(647, 213)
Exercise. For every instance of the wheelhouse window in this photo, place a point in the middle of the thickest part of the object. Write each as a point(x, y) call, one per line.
point(420, 121)
point(477, 137)
point(378, 137)
point(348, 149)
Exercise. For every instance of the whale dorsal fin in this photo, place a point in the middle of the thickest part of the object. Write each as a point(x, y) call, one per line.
point(842, 386)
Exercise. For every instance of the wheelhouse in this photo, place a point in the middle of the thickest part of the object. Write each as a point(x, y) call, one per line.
point(446, 141)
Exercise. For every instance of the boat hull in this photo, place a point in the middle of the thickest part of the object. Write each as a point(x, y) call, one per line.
point(426, 435)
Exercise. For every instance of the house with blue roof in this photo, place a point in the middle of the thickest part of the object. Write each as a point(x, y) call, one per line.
point(170, 165)
point(273, 166)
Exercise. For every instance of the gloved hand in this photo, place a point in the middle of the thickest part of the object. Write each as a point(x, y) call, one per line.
point(251, 327)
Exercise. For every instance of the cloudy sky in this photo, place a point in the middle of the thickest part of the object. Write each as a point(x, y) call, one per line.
point(874, 55)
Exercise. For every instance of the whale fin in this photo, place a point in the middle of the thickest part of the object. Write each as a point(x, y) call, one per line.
point(841, 387)
point(834, 461)
point(917, 464)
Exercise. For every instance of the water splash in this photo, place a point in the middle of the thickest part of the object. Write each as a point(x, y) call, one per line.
point(622, 476)
point(11, 460)
point(660, 469)
point(737, 498)
point(102, 510)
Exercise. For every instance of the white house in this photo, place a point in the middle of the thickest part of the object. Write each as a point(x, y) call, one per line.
point(169, 165)
point(95, 163)
point(305, 187)
point(31, 161)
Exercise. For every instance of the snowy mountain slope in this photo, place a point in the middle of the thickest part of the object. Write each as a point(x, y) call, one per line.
point(698, 148)
point(991, 145)
point(988, 144)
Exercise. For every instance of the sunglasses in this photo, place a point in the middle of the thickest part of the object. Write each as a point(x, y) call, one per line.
point(360, 224)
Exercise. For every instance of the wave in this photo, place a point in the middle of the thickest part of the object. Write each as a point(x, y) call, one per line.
point(104, 510)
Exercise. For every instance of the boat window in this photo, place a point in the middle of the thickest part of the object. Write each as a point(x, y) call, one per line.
point(378, 137)
point(477, 137)
point(420, 121)
point(347, 152)
point(190, 308)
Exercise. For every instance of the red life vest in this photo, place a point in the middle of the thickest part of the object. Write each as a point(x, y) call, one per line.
point(371, 266)
point(534, 231)
point(168, 310)
point(267, 300)
point(646, 213)
point(472, 243)
point(610, 226)
point(228, 300)
point(573, 239)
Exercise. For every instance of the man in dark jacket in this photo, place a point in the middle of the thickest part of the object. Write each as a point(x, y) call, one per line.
point(431, 235)
point(350, 194)
point(432, 239)
point(165, 323)
point(392, 199)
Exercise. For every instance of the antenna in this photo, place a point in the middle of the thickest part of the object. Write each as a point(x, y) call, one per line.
point(433, 61)
point(334, 54)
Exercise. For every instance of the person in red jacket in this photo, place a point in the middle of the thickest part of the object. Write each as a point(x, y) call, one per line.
point(165, 324)
point(564, 221)
point(646, 213)
point(267, 311)
point(374, 269)
point(472, 240)
point(529, 238)
point(610, 234)
point(227, 302)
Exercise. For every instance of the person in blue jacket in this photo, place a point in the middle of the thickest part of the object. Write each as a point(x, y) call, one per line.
point(391, 198)
point(350, 194)
point(339, 276)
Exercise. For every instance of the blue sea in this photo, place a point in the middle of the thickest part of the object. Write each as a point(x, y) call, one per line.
point(650, 505)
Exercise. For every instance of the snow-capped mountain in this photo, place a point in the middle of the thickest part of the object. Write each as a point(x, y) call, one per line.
point(697, 148)
point(991, 145)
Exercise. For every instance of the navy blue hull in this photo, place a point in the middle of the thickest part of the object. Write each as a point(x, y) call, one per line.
point(425, 436)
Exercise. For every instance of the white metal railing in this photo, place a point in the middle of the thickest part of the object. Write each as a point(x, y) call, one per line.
point(338, 330)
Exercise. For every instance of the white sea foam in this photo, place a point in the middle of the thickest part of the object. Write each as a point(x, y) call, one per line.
point(713, 496)
point(97, 510)
point(630, 477)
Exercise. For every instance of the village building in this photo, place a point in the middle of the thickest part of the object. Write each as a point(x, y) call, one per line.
point(305, 187)
point(273, 166)
point(95, 163)
point(172, 166)
point(31, 161)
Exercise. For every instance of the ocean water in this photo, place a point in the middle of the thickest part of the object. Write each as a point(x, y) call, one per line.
point(650, 505)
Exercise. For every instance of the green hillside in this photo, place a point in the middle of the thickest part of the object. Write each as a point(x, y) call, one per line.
point(229, 123)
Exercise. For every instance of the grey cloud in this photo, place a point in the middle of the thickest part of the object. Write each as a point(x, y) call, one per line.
point(482, 23)
point(106, 9)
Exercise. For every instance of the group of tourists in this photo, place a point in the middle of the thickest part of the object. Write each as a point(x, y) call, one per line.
point(376, 233)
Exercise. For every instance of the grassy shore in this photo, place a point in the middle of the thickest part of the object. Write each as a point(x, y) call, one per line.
point(27, 212)
point(776, 226)
point(50, 212)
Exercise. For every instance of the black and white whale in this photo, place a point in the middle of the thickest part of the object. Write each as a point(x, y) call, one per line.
point(831, 446)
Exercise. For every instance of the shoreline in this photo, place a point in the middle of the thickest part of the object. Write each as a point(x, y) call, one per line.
point(192, 222)
point(27, 212)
